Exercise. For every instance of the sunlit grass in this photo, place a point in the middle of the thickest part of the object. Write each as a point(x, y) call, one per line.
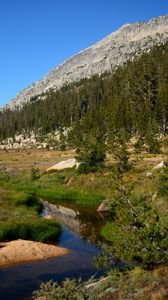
point(19, 218)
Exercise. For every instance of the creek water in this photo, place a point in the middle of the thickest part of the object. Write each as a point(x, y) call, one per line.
point(80, 233)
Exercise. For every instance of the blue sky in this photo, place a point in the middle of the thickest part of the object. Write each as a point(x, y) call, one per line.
point(37, 35)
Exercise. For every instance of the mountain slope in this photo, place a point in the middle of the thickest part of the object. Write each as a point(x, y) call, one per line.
point(111, 52)
point(133, 99)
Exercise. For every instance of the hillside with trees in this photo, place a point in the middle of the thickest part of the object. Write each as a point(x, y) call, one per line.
point(132, 100)
point(118, 124)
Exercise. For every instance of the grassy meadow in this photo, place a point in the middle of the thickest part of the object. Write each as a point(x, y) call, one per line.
point(137, 200)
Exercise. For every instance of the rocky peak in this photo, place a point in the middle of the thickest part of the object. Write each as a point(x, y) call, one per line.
point(106, 55)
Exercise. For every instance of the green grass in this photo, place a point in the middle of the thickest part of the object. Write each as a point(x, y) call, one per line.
point(71, 195)
point(30, 200)
point(107, 230)
point(140, 235)
point(19, 218)
point(27, 228)
point(60, 193)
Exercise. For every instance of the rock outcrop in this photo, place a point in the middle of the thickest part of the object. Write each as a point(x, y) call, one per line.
point(65, 164)
point(114, 50)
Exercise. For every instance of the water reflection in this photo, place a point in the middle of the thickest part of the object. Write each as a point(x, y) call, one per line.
point(80, 233)
point(86, 223)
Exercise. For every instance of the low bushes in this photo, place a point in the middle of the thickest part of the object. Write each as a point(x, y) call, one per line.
point(70, 289)
point(163, 181)
point(137, 232)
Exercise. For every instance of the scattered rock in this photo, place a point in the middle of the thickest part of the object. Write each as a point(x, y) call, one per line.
point(102, 207)
point(154, 196)
point(48, 217)
point(160, 165)
point(9, 170)
point(148, 174)
point(69, 163)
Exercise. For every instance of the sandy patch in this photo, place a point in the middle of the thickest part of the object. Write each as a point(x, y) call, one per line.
point(20, 251)
point(48, 217)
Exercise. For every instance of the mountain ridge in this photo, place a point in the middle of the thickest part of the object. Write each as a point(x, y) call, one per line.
point(106, 55)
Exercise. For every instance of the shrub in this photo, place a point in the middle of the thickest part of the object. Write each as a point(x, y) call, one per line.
point(35, 174)
point(92, 155)
point(163, 181)
point(137, 233)
point(70, 289)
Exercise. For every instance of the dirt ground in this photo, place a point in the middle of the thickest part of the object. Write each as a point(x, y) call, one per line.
point(26, 159)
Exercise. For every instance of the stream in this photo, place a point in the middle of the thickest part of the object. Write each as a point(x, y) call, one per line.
point(80, 233)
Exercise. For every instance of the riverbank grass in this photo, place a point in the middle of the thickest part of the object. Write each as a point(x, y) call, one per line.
point(26, 228)
point(55, 194)
point(19, 218)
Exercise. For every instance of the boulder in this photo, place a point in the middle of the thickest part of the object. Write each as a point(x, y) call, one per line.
point(160, 165)
point(69, 163)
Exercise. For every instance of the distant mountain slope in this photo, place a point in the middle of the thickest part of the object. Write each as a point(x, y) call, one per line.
point(132, 101)
point(114, 50)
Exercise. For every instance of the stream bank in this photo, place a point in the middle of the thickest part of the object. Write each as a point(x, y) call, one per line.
point(80, 235)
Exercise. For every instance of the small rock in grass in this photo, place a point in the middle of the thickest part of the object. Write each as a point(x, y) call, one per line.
point(102, 207)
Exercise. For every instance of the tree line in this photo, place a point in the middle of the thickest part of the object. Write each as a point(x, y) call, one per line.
point(132, 100)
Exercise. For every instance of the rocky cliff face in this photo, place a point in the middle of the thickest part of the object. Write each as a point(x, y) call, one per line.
point(114, 50)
